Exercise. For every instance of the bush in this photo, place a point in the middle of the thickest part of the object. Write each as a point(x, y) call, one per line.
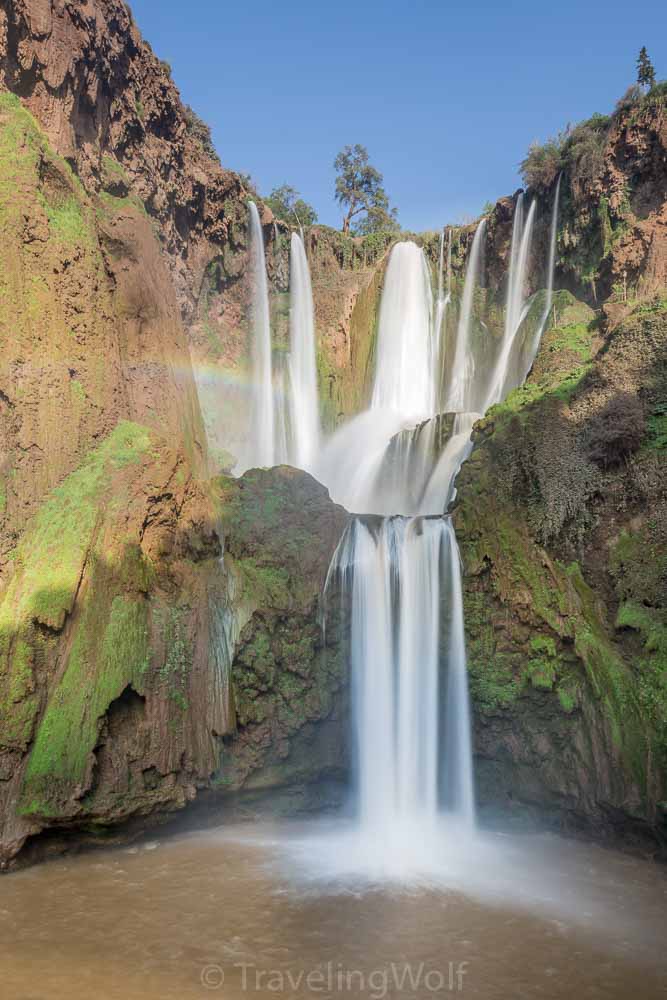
point(617, 431)
point(542, 165)
point(583, 153)
point(200, 131)
point(286, 204)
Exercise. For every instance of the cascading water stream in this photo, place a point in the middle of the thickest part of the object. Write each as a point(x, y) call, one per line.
point(503, 377)
point(528, 363)
point(462, 371)
point(262, 446)
point(406, 350)
point(458, 785)
point(284, 422)
point(304, 436)
point(395, 572)
point(442, 300)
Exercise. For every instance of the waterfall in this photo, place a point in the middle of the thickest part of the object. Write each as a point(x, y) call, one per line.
point(261, 451)
point(449, 265)
point(390, 571)
point(397, 568)
point(503, 379)
point(302, 369)
point(395, 573)
point(458, 787)
point(284, 421)
point(528, 363)
point(405, 388)
point(441, 265)
point(461, 374)
point(405, 371)
point(441, 301)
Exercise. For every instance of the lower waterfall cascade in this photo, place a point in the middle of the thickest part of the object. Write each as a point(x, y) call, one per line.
point(397, 568)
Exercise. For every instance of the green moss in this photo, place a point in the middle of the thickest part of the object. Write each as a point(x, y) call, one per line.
point(110, 651)
point(47, 569)
point(175, 670)
point(568, 697)
point(265, 584)
point(542, 666)
point(574, 337)
point(111, 205)
point(78, 391)
point(520, 402)
point(657, 427)
point(495, 682)
point(113, 171)
point(68, 223)
point(52, 552)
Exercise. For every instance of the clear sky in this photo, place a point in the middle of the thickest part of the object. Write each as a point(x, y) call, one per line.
point(446, 96)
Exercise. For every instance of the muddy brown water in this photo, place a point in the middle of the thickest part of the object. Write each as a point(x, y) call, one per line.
point(243, 912)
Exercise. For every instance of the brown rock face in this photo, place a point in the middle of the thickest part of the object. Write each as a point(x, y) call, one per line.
point(89, 321)
point(98, 90)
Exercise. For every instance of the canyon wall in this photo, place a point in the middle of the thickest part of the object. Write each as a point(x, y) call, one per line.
point(160, 637)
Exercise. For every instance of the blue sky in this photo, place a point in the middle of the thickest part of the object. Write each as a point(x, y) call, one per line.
point(447, 97)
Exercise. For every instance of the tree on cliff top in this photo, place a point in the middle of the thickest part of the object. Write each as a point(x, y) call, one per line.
point(359, 189)
point(286, 203)
point(645, 71)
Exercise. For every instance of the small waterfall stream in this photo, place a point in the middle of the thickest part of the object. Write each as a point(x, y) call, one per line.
point(462, 370)
point(262, 447)
point(504, 376)
point(284, 420)
point(304, 436)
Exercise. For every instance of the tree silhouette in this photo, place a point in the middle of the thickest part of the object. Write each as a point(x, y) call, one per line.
point(645, 71)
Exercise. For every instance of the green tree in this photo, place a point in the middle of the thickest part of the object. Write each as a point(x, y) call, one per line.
point(378, 220)
point(645, 71)
point(286, 204)
point(359, 189)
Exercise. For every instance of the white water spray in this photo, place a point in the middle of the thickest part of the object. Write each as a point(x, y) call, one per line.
point(302, 369)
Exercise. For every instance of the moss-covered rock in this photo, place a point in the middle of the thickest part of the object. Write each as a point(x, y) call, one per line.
point(108, 624)
point(564, 583)
point(288, 679)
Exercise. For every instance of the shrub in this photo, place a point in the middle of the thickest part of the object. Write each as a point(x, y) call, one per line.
point(617, 431)
point(542, 165)
point(286, 204)
point(583, 153)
